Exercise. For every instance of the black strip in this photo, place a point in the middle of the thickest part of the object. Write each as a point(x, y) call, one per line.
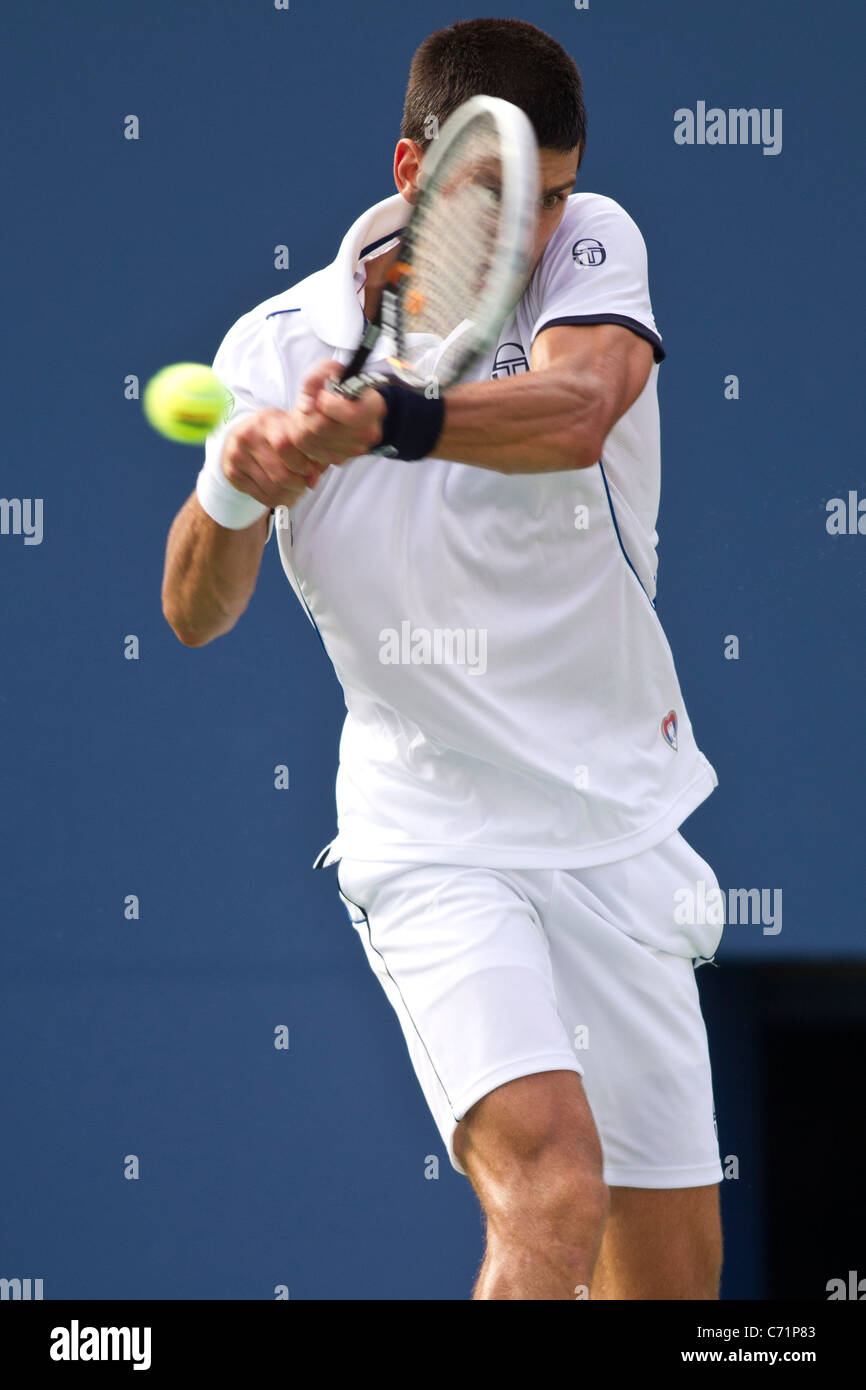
point(381, 242)
point(377, 952)
point(616, 529)
point(300, 592)
point(634, 324)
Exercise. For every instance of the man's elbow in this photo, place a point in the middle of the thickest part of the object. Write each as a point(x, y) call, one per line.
point(580, 449)
point(563, 452)
point(192, 639)
point(598, 405)
point(575, 446)
point(184, 635)
point(190, 636)
point(579, 440)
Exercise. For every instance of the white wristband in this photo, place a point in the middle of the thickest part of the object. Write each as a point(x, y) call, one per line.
point(223, 503)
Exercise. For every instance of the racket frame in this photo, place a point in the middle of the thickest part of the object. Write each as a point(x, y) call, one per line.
point(511, 256)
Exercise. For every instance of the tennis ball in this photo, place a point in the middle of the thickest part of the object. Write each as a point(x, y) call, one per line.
point(186, 402)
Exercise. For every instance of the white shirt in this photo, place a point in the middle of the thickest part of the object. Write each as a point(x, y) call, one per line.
point(511, 696)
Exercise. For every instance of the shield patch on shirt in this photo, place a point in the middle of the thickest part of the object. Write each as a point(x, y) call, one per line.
point(669, 728)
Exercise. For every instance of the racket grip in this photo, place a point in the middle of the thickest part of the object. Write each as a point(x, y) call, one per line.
point(352, 386)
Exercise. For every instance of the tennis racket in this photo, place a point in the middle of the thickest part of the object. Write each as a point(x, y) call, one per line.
point(464, 254)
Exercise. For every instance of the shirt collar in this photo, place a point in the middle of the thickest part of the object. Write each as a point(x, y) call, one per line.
point(336, 313)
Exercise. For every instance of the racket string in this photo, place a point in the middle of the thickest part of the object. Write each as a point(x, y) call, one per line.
point(451, 252)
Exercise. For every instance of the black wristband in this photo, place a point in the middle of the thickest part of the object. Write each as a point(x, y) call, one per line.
point(412, 425)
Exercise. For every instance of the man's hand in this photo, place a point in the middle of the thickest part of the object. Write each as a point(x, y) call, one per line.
point(261, 458)
point(275, 455)
point(332, 429)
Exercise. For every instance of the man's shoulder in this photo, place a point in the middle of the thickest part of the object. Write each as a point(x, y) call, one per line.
point(593, 229)
point(588, 209)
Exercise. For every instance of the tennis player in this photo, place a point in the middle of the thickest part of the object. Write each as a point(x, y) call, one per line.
point(517, 758)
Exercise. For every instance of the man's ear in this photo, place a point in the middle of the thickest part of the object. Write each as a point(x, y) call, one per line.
point(407, 162)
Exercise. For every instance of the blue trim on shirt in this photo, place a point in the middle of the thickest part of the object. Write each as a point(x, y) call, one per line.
point(616, 529)
point(377, 952)
point(623, 319)
point(274, 312)
point(300, 591)
point(381, 242)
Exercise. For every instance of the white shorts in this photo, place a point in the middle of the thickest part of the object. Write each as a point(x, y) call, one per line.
point(495, 974)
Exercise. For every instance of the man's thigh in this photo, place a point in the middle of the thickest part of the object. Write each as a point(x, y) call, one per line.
point(496, 976)
point(462, 957)
point(633, 1012)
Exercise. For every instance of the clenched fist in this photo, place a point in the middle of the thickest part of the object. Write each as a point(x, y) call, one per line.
point(335, 428)
point(260, 457)
point(275, 455)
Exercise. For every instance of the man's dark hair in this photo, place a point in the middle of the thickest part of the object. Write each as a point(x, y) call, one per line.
point(501, 58)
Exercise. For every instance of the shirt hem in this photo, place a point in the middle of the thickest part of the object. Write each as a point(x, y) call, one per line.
point(701, 1175)
point(513, 857)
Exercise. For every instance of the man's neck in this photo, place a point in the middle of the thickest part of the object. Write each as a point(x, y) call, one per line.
point(377, 272)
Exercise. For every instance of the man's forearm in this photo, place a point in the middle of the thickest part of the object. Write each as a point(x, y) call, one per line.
point(210, 574)
point(537, 422)
point(551, 419)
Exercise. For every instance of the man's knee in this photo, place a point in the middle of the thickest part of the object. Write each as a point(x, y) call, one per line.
point(533, 1155)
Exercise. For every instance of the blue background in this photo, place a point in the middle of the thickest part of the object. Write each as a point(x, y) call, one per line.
point(155, 777)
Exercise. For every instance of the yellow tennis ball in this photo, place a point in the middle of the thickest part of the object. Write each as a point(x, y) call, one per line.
point(186, 402)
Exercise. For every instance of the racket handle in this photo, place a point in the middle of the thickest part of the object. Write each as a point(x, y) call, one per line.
point(352, 379)
point(352, 386)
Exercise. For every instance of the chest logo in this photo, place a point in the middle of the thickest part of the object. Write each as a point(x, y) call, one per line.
point(510, 360)
point(669, 729)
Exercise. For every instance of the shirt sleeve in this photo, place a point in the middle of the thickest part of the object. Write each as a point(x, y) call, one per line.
point(248, 363)
point(594, 270)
